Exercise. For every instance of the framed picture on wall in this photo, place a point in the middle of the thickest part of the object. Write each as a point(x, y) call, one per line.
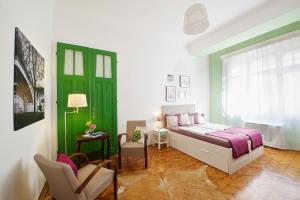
point(170, 78)
point(170, 93)
point(28, 83)
point(185, 81)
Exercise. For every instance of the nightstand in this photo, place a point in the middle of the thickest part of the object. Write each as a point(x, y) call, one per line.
point(160, 136)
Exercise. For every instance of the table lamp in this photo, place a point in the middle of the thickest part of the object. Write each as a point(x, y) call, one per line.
point(158, 122)
point(74, 101)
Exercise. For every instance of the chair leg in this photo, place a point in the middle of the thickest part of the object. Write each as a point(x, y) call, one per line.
point(146, 159)
point(146, 162)
point(120, 160)
point(115, 186)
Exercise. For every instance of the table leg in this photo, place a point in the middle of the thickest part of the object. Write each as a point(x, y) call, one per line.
point(159, 141)
point(108, 152)
point(153, 139)
point(168, 140)
point(103, 150)
point(78, 158)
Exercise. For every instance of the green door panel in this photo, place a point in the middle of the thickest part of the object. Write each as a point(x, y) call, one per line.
point(101, 98)
point(103, 94)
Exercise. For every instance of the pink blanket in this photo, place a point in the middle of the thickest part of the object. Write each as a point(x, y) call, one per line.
point(254, 135)
point(238, 142)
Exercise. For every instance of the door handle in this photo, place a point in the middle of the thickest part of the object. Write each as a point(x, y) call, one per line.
point(93, 113)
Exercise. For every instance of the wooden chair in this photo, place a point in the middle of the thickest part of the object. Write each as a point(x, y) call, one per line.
point(90, 182)
point(133, 149)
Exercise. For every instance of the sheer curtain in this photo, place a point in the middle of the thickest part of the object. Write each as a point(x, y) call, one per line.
point(261, 89)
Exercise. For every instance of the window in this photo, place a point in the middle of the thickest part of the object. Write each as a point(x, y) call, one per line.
point(73, 62)
point(103, 66)
point(261, 85)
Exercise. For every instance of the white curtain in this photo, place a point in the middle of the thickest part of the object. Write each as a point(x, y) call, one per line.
point(261, 89)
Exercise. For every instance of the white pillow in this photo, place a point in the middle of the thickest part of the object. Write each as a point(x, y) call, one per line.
point(172, 120)
point(143, 131)
point(184, 119)
point(192, 119)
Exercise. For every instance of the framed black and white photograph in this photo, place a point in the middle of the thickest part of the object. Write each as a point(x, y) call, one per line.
point(170, 93)
point(185, 81)
point(28, 82)
point(170, 78)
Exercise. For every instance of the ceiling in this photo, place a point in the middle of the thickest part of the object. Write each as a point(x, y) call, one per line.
point(223, 12)
point(165, 18)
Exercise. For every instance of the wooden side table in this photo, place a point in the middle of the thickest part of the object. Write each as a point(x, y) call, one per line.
point(104, 137)
point(160, 136)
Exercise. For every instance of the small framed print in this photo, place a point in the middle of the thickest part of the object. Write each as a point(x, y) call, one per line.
point(170, 78)
point(170, 93)
point(185, 81)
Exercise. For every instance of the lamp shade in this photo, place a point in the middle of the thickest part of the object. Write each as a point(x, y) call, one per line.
point(195, 20)
point(77, 100)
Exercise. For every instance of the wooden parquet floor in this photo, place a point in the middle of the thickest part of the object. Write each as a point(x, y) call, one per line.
point(273, 176)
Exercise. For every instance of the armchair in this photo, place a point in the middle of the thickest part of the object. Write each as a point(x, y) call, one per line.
point(133, 149)
point(90, 182)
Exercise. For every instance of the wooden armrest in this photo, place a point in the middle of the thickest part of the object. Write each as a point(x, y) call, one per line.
point(146, 136)
point(92, 174)
point(145, 140)
point(120, 136)
point(78, 155)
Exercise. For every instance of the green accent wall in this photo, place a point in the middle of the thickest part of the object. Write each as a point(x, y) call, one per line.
point(215, 67)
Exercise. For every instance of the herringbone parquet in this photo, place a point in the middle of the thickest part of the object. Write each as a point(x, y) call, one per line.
point(273, 176)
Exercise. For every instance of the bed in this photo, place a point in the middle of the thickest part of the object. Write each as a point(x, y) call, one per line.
point(214, 151)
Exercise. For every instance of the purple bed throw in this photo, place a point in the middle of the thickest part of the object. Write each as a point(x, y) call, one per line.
point(254, 135)
point(238, 142)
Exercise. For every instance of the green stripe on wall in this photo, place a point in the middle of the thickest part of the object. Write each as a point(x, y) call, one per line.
point(215, 67)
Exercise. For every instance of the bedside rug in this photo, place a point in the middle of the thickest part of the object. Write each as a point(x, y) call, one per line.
point(178, 183)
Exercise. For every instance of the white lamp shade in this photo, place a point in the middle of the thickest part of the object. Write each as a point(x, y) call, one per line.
point(195, 20)
point(77, 100)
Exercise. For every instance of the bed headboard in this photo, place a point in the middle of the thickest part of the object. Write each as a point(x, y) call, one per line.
point(174, 109)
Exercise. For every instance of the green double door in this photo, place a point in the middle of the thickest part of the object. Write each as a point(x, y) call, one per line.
point(92, 72)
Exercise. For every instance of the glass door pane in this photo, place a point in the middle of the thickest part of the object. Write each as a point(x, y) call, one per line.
point(68, 65)
point(107, 66)
point(99, 66)
point(79, 63)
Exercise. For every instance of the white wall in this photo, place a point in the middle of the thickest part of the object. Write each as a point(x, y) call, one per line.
point(144, 57)
point(20, 177)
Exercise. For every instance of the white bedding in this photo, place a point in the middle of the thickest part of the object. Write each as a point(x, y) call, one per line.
point(203, 128)
point(196, 129)
point(214, 126)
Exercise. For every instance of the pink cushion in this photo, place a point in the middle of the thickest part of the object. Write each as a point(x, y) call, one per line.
point(196, 117)
point(184, 119)
point(65, 159)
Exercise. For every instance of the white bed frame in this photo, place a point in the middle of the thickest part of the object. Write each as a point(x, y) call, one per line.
point(214, 155)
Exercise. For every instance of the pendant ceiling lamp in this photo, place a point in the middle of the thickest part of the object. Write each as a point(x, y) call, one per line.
point(195, 19)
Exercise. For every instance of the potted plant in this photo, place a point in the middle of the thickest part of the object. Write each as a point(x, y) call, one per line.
point(91, 127)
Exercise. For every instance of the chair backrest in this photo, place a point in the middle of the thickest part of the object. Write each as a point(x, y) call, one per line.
point(61, 179)
point(131, 126)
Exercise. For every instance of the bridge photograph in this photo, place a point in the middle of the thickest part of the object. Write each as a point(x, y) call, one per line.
point(28, 82)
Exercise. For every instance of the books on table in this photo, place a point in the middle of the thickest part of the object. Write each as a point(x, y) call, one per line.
point(94, 134)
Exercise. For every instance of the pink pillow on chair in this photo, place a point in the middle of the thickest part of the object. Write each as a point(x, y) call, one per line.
point(65, 159)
